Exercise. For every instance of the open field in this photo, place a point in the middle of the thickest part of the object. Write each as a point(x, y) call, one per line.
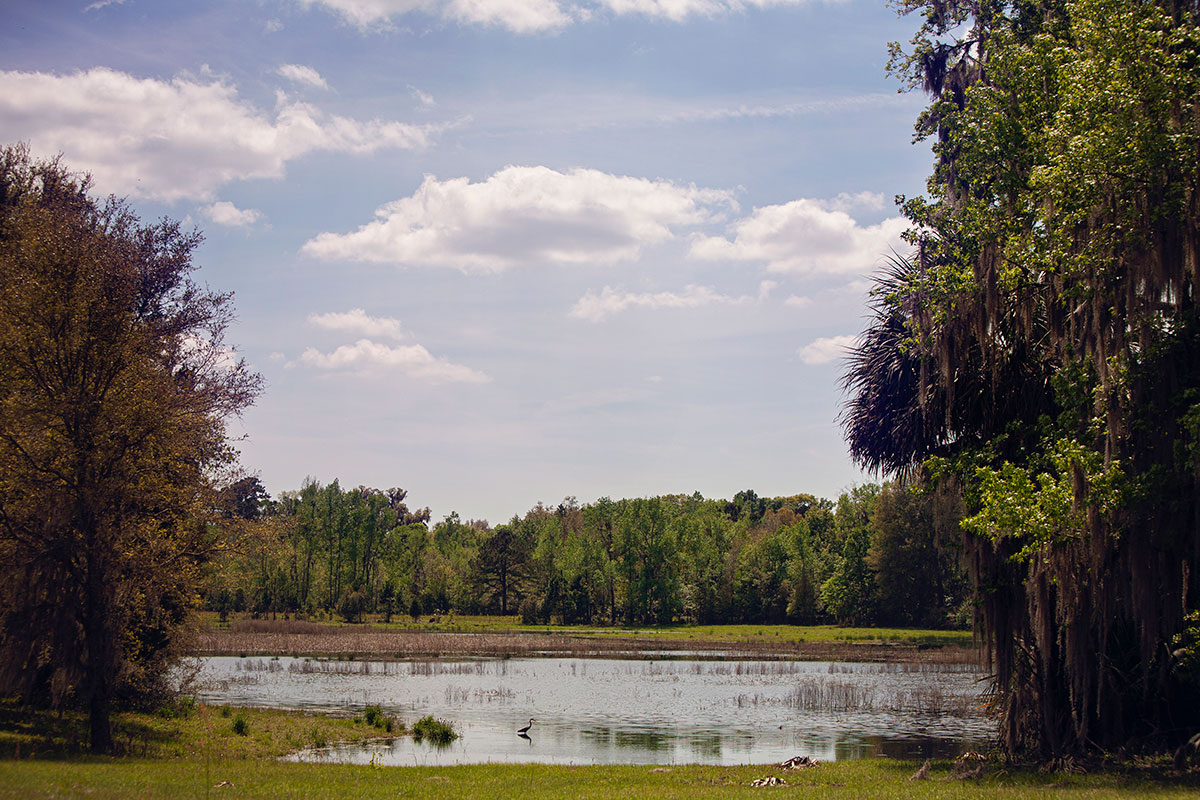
point(504, 636)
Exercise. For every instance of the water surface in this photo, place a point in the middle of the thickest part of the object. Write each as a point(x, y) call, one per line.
point(613, 711)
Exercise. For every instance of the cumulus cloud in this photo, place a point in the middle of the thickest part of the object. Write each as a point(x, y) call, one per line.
point(306, 76)
point(524, 215)
point(804, 236)
point(226, 213)
point(366, 356)
point(824, 351)
point(594, 307)
point(99, 4)
point(798, 301)
point(357, 321)
point(518, 16)
point(176, 139)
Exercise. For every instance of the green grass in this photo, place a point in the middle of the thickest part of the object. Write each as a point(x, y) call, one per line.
point(191, 778)
point(198, 755)
point(204, 733)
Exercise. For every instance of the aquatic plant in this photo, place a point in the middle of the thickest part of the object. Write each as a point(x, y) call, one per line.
point(435, 730)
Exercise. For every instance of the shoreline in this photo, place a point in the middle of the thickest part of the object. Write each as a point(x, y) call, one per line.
point(375, 644)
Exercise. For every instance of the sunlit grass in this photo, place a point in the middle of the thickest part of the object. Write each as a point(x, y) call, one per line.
point(204, 732)
point(272, 779)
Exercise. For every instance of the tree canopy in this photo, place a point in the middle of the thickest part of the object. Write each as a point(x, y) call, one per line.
point(115, 384)
point(1039, 352)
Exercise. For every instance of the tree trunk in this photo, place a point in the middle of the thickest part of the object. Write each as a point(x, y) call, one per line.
point(100, 649)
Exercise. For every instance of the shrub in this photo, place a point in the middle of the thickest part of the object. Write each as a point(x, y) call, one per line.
point(435, 730)
point(240, 726)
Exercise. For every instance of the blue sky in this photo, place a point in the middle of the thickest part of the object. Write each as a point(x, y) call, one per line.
point(499, 252)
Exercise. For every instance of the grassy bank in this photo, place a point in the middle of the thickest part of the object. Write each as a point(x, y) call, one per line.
point(504, 636)
point(203, 732)
point(452, 623)
point(187, 778)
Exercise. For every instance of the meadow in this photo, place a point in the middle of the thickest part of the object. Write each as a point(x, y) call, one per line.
point(487, 636)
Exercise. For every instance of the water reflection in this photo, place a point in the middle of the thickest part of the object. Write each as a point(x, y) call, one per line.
point(633, 712)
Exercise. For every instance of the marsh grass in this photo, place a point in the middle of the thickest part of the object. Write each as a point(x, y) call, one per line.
point(820, 643)
point(437, 731)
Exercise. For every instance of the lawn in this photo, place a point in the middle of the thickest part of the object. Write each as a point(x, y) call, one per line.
point(191, 777)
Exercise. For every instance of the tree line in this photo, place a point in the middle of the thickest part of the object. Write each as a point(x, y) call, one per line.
point(878, 555)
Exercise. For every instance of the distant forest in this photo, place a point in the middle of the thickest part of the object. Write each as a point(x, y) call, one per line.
point(881, 555)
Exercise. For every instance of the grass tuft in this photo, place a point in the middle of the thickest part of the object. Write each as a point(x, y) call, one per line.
point(435, 730)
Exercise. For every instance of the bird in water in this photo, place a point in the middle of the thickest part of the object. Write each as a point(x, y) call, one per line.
point(525, 731)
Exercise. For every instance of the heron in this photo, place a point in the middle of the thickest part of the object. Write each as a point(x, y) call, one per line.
point(525, 731)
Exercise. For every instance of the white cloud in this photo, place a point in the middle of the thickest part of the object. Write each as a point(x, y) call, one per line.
point(357, 321)
point(226, 213)
point(524, 215)
point(824, 351)
point(423, 98)
point(306, 76)
point(273, 26)
point(796, 301)
point(597, 307)
point(176, 139)
point(804, 236)
point(870, 201)
point(530, 16)
point(679, 10)
point(518, 16)
point(99, 4)
point(366, 356)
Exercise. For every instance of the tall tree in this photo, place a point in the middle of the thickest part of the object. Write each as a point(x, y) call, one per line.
point(114, 388)
point(501, 562)
point(1041, 350)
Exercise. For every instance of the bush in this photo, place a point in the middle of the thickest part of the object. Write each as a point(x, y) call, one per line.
point(240, 726)
point(435, 730)
point(352, 605)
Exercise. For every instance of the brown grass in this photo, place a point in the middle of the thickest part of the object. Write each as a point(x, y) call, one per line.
point(302, 638)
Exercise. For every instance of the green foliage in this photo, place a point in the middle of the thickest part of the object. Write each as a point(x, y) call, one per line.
point(241, 726)
point(1039, 352)
point(437, 731)
point(114, 390)
point(652, 561)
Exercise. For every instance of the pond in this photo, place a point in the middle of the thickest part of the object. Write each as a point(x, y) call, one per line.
point(617, 711)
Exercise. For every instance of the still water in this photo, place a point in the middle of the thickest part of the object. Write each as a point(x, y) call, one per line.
point(610, 711)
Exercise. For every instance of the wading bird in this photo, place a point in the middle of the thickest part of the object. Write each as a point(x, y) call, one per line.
point(525, 731)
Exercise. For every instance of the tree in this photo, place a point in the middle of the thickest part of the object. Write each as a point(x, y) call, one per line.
point(1040, 351)
point(917, 580)
point(114, 388)
point(501, 561)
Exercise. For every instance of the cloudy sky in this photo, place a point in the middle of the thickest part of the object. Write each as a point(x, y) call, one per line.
point(503, 251)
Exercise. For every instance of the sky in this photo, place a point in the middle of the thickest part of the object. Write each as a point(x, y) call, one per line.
point(498, 252)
